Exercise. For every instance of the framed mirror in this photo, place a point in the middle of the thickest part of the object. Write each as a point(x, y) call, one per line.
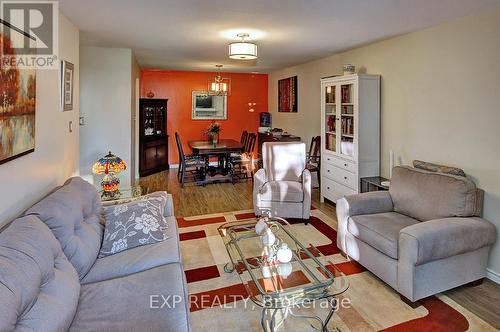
point(208, 107)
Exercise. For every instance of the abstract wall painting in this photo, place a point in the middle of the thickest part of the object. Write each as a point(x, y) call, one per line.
point(17, 105)
point(287, 95)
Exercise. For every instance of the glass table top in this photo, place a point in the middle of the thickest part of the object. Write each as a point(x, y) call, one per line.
point(307, 277)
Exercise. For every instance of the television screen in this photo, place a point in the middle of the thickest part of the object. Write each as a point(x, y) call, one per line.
point(204, 102)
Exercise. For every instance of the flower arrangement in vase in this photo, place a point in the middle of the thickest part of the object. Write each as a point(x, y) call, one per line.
point(213, 132)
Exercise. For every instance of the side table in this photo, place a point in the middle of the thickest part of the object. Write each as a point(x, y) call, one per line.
point(373, 183)
point(127, 193)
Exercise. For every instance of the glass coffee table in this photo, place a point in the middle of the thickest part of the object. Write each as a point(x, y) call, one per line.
point(280, 288)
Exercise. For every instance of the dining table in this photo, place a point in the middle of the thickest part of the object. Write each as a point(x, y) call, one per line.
point(222, 150)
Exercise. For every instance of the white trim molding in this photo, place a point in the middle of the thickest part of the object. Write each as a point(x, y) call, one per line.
point(493, 276)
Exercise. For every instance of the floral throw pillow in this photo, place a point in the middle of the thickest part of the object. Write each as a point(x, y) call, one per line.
point(134, 224)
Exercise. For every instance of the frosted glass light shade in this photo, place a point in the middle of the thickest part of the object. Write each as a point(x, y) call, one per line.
point(243, 51)
point(218, 87)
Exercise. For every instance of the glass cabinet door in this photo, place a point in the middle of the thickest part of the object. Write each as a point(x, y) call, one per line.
point(347, 119)
point(149, 127)
point(154, 120)
point(330, 118)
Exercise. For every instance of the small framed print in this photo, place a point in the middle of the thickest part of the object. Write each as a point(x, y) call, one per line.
point(67, 73)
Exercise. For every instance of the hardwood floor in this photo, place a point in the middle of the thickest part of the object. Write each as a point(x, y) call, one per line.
point(195, 200)
point(482, 300)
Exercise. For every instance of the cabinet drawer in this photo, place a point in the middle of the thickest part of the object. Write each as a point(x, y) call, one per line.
point(341, 176)
point(334, 191)
point(347, 165)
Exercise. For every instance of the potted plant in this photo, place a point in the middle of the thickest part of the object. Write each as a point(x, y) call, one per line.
point(213, 132)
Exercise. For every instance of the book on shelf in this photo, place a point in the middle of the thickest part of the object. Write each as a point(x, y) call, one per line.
point(331, 142)
point(347, 109)
point(331, 123)
point(346, 93)
point(348, 126)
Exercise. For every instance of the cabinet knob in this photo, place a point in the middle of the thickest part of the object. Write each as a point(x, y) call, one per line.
point(345, 165)
point(328, 188)
point(345, 177)
point(328, 171)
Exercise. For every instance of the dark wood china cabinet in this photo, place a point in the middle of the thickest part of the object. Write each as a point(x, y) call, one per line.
point(153, 138)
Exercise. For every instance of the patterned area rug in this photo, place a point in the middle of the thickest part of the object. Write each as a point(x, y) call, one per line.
point(219, 302)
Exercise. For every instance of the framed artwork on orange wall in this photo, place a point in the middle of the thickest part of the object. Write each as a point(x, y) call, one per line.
point(287, 95)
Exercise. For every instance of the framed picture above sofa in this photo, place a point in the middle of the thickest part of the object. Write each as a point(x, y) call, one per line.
point(17, 101)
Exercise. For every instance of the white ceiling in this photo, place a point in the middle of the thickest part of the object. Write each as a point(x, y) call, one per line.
point(194, 34)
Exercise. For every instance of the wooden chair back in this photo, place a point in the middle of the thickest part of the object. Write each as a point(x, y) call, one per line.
point(244, 137)
point(250, 144)
point(179, 148)
point(315, 148)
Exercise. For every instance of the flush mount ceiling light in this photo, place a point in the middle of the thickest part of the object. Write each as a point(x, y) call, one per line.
point(219, 86)
point(243, 50)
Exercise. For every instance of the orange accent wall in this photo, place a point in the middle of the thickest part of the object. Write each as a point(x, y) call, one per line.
point(177, 87)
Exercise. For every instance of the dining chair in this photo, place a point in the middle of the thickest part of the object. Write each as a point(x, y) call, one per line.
point(313, 162)
point(244, 137)
point(243, 140)
point(187, 163)
point(244, 160)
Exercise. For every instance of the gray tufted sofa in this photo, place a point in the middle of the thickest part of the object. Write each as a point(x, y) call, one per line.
point(52, 280)
point(423, 236)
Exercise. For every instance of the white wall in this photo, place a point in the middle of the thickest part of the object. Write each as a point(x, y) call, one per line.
point(440, 100)
point(134, 152)
point(27, 179)
point(106, 94)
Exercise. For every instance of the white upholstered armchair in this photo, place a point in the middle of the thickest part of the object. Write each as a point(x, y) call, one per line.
point(283, 186)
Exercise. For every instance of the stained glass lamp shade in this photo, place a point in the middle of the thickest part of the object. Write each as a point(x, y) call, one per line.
point(109, 165)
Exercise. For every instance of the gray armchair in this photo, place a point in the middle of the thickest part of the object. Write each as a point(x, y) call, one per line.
point(283, 186)
point(422, 237)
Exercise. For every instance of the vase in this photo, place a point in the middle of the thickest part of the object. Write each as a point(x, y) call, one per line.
point(285, 269)
point(261, 226)
point(214, 137)
point(268, 238)
point(284, 253)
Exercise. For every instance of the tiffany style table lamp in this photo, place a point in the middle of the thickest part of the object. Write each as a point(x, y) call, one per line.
point(110, 165)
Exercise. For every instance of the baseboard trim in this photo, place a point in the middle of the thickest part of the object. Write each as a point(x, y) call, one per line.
point(493, 276)
point(174, 165)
